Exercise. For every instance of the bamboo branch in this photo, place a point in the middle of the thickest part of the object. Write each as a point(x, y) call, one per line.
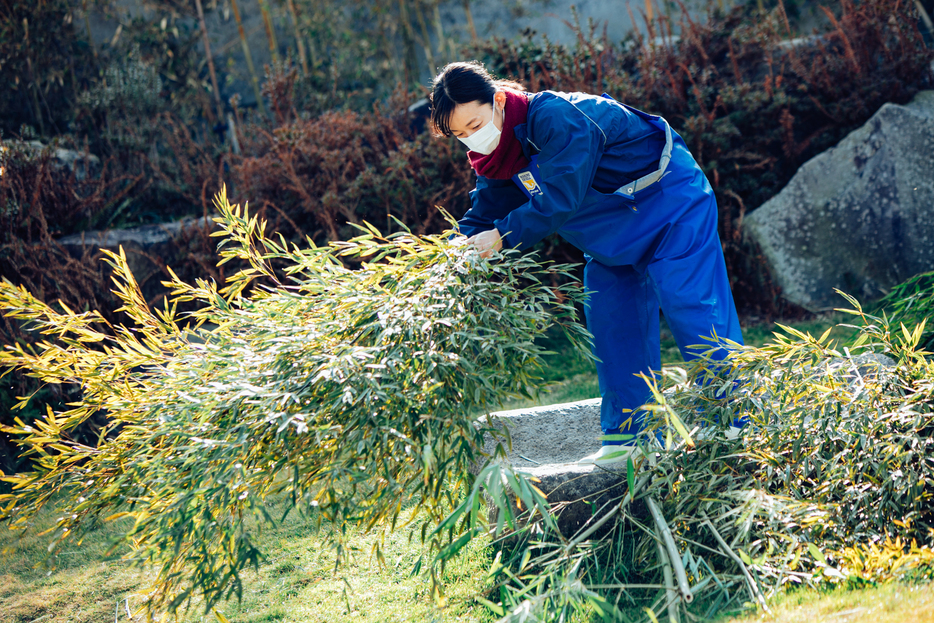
point(232, 131)
point(312, 54)
point(426, 39)
point(439, 27)
point(408, 42)
point(33, 79)
point(625, 502)
point(924, 16)
point(750, 583)
point(665, 533)
point(87, 24)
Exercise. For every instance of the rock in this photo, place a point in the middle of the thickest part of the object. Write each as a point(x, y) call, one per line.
point(859, 217)
point(147, 248)
point(547, 442)
point(419, 114)
point(82, 164)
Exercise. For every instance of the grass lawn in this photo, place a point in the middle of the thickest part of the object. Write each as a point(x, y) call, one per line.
point(299, 584)
point(889, 603)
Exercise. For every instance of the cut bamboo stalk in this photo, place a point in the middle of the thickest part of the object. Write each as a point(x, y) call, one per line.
point(665, 534)
point(270, 30)
point(670, 591)
point(298, 38)
point(210, 59)
point(249, 59)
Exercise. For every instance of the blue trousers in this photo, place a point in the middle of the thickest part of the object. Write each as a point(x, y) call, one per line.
point(684, 274)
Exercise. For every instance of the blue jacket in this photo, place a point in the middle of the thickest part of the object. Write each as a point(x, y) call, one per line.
point(588, 147)
point(648, 245)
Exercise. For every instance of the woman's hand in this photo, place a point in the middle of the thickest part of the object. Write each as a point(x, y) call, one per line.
point(486, 242)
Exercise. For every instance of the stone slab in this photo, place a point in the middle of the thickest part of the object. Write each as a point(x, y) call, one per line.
point(548, 441)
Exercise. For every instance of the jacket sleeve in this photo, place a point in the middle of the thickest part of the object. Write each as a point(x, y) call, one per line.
point(570, 147)
point(490, 201)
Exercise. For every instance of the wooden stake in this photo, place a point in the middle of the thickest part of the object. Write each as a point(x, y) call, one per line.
point(298, 38)
point(426, 43)
point(249, 59)
point(87, 24)
point(207, 51)
point(270, 30)
point(470, 24)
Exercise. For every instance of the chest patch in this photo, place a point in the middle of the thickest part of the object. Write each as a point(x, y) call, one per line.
point(531, 186)
point(529, 179)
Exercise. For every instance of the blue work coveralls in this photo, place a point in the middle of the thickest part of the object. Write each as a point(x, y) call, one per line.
point(644, 247)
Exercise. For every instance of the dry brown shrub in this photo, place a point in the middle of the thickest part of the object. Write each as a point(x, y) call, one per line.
point(311, 177)
point(40, 200)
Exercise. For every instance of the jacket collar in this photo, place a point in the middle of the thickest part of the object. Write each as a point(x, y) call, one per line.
point(522, 135)
point(521, 131)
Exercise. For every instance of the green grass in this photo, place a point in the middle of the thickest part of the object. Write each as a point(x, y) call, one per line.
point(80, 588)
point(298, 583)
point(889, 603)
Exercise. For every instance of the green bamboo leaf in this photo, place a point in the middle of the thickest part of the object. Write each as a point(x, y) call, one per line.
point(492, 607)
point(631, 474)
point(816, 554)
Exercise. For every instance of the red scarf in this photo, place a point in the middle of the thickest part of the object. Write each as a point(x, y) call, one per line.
point(507, 159)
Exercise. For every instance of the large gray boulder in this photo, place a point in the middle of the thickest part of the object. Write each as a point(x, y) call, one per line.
point(858, 217)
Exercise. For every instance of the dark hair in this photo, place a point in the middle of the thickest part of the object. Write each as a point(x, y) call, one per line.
point(460, 83)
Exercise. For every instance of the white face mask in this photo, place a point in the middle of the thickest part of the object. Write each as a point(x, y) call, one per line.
point(484, 140)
